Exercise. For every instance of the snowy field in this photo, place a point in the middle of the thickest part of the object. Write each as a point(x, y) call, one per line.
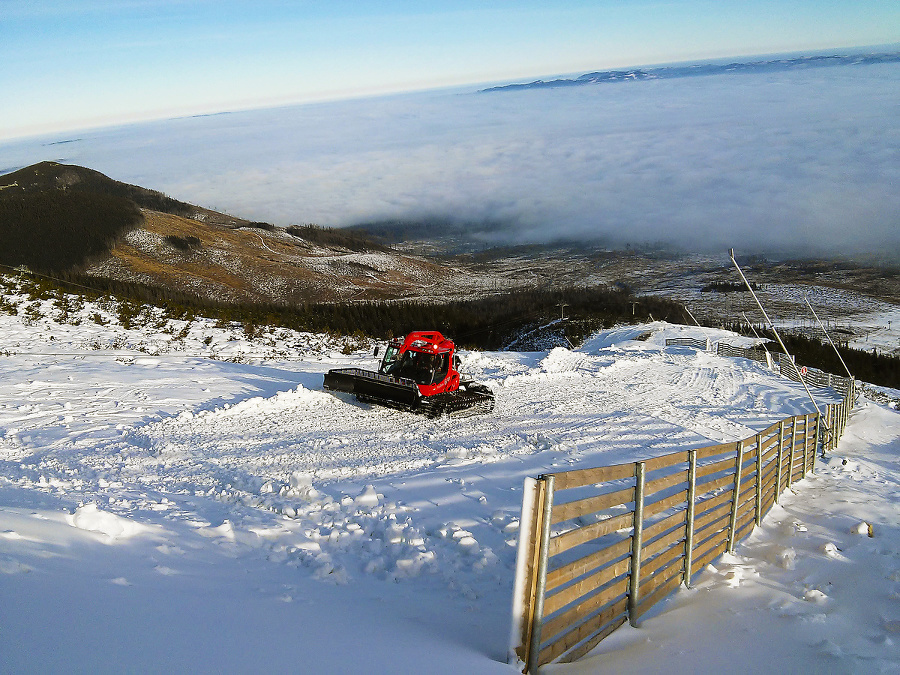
point(162, 510)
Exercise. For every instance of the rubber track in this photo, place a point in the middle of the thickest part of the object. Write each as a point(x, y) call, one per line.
point(458, 404)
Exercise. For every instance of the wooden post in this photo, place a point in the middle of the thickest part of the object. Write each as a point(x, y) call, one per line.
point(836, 423)
point(829, 441)
point(836, 430)
point(818, 441)
point(811, 441)
point(759, 483)
point(689, 525)
point(805, 442)
point(736, 495)
point(779, 458)
point(792, 441)
point(637, 542)
point(540, 583)
point(526, 561)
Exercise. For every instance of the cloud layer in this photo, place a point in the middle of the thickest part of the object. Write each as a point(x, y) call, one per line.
point(806, 162)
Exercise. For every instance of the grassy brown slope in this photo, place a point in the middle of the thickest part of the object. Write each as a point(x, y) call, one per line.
point(61, 218)
point(256, 265)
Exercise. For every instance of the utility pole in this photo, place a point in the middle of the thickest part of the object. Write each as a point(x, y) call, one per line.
point(562, 311)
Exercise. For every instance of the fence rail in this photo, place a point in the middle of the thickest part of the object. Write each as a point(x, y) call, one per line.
point(601, 546)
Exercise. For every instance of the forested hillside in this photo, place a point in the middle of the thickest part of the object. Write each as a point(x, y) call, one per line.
point(54, 217)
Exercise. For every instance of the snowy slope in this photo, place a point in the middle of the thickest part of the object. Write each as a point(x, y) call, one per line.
point(161, 510)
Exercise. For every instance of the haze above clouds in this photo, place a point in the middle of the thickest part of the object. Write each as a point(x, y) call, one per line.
point(73, 64)
point(801, 162)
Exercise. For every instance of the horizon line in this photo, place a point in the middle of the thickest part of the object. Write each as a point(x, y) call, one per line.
point(361, 95)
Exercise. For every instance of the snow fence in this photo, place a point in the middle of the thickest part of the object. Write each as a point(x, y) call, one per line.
point(601, 546)
point(776, 361)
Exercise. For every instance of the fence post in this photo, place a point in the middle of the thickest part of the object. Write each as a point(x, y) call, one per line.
point(836, 428)
point(526, 565)
point(805, 442)
point(689, 526)
point(779, 459)
point(812, 468)
point(540, 582)
point(759, 483)
point(637, 542)
point(793, 440)
point(840, 422)
point(846, 415)
point(732, 526)
point(812, 440)
point(829, 439)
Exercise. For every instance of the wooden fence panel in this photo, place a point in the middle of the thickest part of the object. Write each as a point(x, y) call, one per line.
point(563, 575)
point(576, 585)
point(664, 504)
point(570, 594)
point(573, 479)
point(558, 647)
point(664, 525)
point(651, 566)
point(590, 505)
point(581, 535)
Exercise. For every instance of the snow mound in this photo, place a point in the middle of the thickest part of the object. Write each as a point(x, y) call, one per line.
point(90, 517)
point(561, 360)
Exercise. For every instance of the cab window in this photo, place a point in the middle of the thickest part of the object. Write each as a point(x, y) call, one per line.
point(390, 361)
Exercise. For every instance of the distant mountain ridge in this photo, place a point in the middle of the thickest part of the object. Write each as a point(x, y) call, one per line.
point(705, 69)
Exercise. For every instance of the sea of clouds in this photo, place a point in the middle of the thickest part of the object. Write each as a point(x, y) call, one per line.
point(800, 162)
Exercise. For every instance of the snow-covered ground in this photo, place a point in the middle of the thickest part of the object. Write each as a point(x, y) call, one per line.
point(165, 511)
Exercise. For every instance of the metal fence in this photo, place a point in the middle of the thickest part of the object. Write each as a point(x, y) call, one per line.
point(756, 353)
point(601, 546)
point(812, 376)
point(786, 367)
point(688, 342)
point(775, 360)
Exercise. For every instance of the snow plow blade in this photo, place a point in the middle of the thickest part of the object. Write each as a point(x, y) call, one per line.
point(371, 387)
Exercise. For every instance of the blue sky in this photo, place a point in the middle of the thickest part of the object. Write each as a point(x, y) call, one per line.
point(70, 64)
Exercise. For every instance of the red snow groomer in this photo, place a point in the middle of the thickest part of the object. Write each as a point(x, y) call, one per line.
point(418, 373)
